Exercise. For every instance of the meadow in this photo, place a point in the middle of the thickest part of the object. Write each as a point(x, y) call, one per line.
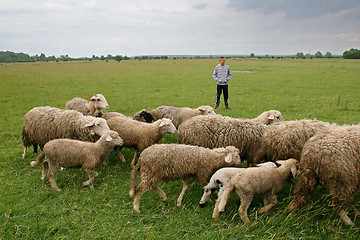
point(323, 89)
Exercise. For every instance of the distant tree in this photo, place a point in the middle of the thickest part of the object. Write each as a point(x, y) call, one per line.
point(327, 55)
point(109, 57)
point(318, 54)
point(299, 55)
point(252, 55)
point(126, 58)
point(102, 58)
point(352, 54)
point(118, 58)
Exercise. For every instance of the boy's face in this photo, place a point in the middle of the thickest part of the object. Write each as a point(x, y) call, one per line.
point(222, 61)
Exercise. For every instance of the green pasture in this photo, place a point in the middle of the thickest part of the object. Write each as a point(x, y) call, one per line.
point(323, 89)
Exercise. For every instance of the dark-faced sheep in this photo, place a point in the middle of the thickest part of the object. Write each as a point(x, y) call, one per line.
point(330, 159)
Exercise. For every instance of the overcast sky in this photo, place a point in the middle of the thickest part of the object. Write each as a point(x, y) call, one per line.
point(82, 28)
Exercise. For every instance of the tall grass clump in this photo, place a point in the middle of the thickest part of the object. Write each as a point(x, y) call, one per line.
point(325, 89)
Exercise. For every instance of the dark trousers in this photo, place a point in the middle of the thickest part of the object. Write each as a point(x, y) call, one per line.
point(219, 90)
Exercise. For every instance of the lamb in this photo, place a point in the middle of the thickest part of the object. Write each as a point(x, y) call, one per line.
point(283, 140)
point(142, 116)
point(268, 117)
point(42, 124)
point(331, 159)
point(221, 178)
point(71, 153)
point(253, 181)
point(140, 135)
point(177, 161)
point(219, 131)
point(91, 108)
point(179, 115)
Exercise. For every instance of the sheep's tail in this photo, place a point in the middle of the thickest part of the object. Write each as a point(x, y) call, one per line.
point(134, 179)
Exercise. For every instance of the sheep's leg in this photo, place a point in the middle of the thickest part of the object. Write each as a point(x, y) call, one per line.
point(270, 200)
point(245, 203)
point(134, 158)
point(45, 170)
point(119, 154)
point(160, 193)
point(51, 175)
point(38, 161)
point(345, 217)
point(92, 175)
point(221, 202)
point(185, 187)
point(24, 154)
point(205, 197)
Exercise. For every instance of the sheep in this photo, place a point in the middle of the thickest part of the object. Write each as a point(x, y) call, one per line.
point(42, 124)
point(92, 108)
point(253, 181)
point(177, 161)
point(219, 131)
point(283, 140)
point(179, 115)
point(221, 178)
point(268, 117)
point(140, 135)
point(71, 153)
point(331, 159)
point(142, 116)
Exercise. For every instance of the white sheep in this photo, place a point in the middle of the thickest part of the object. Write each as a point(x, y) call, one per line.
point(177, 161)
point(42, 124)
point(213, 131)
point(92, 107)
point(283, 140)
point(140, 135)
point(268, 117)
point(180, 114)
point(222, 177)
point(71, 153)
point(253, 181)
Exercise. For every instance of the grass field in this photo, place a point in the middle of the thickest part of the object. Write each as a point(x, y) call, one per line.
point(325, 89)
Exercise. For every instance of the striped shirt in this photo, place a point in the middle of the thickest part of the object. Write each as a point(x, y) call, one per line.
point(222, 74)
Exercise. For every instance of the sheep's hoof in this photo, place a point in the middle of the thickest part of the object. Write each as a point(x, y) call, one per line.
point(33, 164)
point(23, 156)
point(202, 205)
point(137, 210)
point(43, 178)
point(58, 190)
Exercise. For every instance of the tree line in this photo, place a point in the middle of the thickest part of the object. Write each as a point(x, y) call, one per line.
point(7, 57)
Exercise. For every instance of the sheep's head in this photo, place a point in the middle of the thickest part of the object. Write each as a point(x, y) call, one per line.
point(206, 110)
point(113, 137)
point(233, 156)
point(99, 101)
point(167, 125)
point(291, 163)
point(98, 126)
point(144, 116)
point(272, 116)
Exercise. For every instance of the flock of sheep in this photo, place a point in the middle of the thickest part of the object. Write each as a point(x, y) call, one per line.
point(312, 151)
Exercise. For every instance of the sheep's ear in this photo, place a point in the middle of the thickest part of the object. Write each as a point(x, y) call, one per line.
point(228, 158)
point(271, 117)
point(90, 124)
point(108, 138)
point(202, 109)
point(162, 124)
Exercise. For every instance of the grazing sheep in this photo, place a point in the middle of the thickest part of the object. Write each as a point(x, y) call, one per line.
point(331, 159)
point(92, 108)
point(253, 181)
point(221, 178)
point(179, 115)
point(71, 153)
point(177, 161)
point(219, 131)
point(142, 116)
point(283, 140)
point(140, 135)
point(268, 117)
point(42, 124)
